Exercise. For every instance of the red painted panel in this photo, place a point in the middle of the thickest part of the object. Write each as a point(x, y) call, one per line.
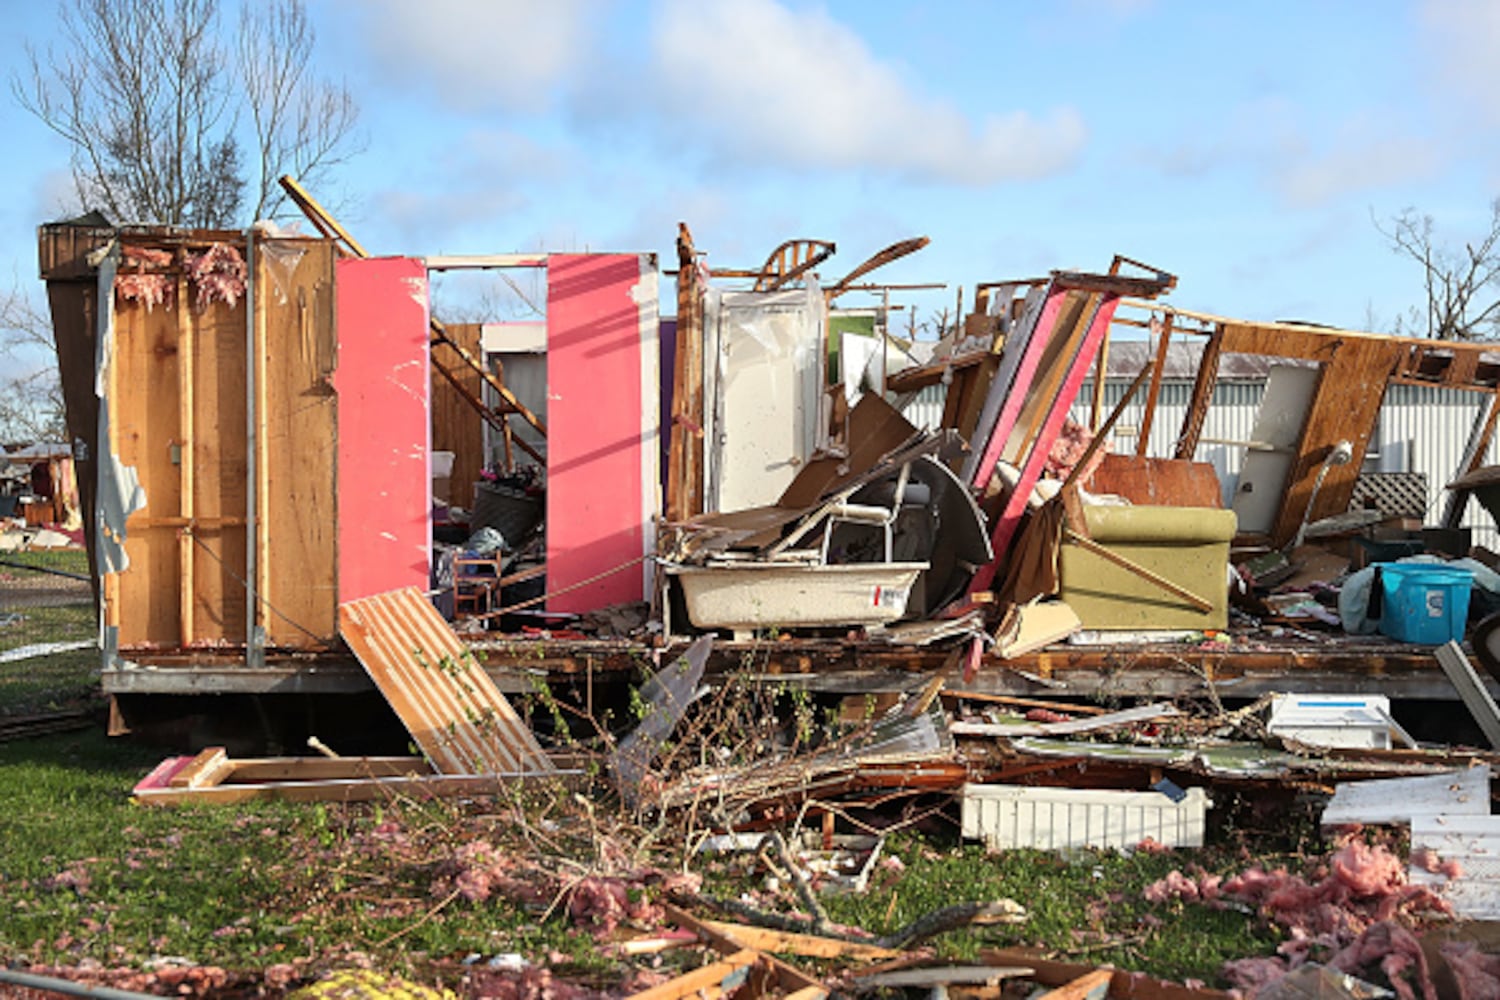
point(602, 447)
point(1036, 459)
point(382, 381)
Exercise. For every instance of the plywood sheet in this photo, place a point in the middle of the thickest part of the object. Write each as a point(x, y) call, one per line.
point(294, 285)
point(455, 425)
point(602, 447)
point(1163, 482)
point(145, 424)
point(217, 341)
point(451, 707)
point(383, 381)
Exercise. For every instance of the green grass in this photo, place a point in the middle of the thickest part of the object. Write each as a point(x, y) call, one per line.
point(74, 561)
point(88, 875)
point(49, 683)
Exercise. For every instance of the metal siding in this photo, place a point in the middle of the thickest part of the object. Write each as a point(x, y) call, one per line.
point(451, 707)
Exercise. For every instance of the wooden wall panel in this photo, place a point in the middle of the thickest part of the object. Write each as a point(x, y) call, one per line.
point(143, 400)
point(455, 425)
point(1356, 370)
point(383, 380)
point(602, 384)
point(295, 287)
point(218, 475)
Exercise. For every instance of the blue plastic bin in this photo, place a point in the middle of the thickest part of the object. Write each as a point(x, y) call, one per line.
point(1424, 602)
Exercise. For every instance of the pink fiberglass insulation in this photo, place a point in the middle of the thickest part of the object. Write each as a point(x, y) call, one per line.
point(218, 273)
point(1476, 974)
point(133, 283)
point(1357, 906)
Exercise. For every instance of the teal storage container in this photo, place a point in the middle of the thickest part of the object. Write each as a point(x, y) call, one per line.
point(1424, 602)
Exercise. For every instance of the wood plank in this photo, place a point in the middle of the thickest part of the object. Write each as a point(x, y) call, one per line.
point(299, 437)
point(1153, 395)
point(185, 399)
point(1035, 459)
point(207, 768)
point(1471, 689)
point(220, 460)
point(1158, 482)
point(145, 420)
point(1356, 371)
point(1202, 397)
point(803, 945)
point(451, 707)
point(723, 976)
point(685, 441)
point(788, 977)
point(1089, 986)
point(455, 425)
point(383, 789)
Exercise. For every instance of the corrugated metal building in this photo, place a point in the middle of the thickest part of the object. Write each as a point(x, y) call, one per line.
point(1422, 429)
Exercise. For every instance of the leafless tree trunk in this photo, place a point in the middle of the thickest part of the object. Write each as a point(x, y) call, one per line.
point(1462, 287)
point(31, 404)
point(303, 127)
point(154, 103)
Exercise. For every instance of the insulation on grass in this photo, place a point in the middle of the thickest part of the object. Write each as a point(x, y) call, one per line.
point(1357, 907)
point(1476, 974)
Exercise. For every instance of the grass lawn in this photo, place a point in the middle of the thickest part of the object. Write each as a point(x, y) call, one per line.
point(91, 876)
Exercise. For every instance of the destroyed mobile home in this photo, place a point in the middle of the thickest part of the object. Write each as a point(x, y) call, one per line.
point(297, 481)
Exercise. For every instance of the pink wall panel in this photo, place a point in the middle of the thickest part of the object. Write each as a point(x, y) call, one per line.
point(382, 381)
point(602, 444)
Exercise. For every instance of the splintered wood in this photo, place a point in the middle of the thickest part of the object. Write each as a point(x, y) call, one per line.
point(454, 712)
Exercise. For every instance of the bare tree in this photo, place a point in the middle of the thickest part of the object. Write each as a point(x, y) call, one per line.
point(1462, 287)
point(303, 126)
point(152, 102)
point(31, 404)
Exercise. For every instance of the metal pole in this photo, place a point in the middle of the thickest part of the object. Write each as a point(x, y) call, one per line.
point(68, 987)
point(255, 649)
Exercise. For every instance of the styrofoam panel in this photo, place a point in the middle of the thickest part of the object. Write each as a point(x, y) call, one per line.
point(1019, 816)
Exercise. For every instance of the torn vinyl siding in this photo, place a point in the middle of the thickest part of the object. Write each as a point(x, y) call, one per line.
point(603, 475)
point(763, 392)
point(384, 427)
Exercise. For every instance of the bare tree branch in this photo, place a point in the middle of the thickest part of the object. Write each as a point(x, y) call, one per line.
point(1462, 287)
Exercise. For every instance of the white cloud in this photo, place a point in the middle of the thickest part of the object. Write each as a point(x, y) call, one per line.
point(1461, 38)
point(511, 54)
point(1354, 163)
point(759, 82)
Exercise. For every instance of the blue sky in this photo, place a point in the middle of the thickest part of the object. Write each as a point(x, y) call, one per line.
point(1243, 147)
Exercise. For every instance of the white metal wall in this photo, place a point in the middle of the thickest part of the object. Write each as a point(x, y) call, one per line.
point(1421, 429)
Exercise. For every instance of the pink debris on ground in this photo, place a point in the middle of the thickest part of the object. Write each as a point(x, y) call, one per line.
point(1358, 906)
point(1476, 974)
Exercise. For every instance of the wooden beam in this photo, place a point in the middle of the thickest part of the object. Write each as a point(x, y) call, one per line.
point(1203, 395)
point(495, 420)
point(187, 592)
point(330, 227)
point(684, 497)
point(1143, 435)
